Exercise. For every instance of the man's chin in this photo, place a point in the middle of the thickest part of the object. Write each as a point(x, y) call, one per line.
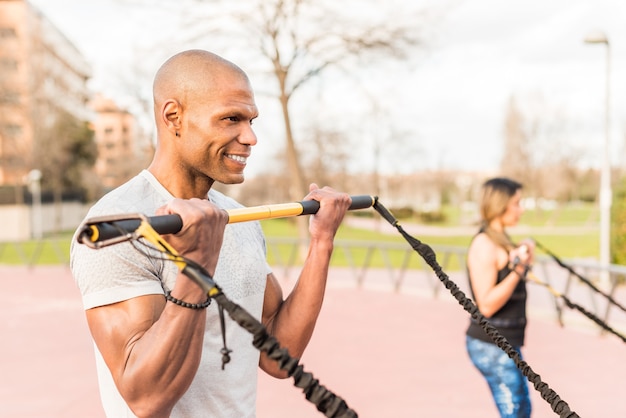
point(232, 180)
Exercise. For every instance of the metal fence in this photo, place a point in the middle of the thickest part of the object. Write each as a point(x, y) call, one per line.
point(374, 264)
point(545, 300)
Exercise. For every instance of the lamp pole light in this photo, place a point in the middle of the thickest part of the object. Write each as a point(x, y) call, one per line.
point(605, 172)
point(34, 185)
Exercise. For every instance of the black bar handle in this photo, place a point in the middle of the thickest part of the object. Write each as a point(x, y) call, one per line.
point(106, 228)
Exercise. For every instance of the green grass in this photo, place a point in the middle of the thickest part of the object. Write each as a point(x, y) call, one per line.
point(580, 244)
point(48, 251)
point(573, 215)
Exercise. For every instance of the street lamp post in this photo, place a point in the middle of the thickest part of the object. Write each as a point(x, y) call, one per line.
point(34, 185)
point(605, 172)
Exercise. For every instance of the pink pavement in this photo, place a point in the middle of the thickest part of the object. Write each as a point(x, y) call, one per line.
point(386, 354)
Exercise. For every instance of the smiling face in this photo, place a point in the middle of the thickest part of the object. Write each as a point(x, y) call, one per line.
point(204, 108)
point(216, 133)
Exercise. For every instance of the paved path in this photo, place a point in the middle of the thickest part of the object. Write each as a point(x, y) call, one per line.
point(387, 354)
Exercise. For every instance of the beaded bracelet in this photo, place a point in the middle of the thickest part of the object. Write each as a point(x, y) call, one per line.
point(522, 275)
point(184, 304)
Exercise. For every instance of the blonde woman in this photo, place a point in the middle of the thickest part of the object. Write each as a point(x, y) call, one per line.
point(496, 269)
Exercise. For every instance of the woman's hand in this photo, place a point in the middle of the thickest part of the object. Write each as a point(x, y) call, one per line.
point(524, 254)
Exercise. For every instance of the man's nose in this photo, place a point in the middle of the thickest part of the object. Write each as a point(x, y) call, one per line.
point(247, 136)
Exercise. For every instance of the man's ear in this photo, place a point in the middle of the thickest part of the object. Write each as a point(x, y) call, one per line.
point(171, 115)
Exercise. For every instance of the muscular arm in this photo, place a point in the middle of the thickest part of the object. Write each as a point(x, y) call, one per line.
point(292, 320)
point(151, 347)
point(484, 259)
point(152, 350)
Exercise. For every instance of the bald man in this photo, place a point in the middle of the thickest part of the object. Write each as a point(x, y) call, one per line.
point(157, 356)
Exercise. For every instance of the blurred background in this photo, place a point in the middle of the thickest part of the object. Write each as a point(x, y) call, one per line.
point(414, 101)
point(417, 102)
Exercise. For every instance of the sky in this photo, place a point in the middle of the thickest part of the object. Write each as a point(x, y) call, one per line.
point(450, 99)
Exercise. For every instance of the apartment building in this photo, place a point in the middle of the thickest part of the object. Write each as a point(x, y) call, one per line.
point(123, 147)
point(41, 73)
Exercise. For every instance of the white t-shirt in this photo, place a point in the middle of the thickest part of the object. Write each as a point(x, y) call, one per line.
point(120, 272)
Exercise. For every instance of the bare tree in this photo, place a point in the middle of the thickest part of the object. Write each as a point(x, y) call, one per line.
point(326, 153)
point(540, 151)
point(516, 157)
point(295, 41)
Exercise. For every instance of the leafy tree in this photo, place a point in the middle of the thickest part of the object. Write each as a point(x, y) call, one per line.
point(65, 154)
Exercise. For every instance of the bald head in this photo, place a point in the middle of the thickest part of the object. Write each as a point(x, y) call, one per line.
point(203, 107)
point(190, 73)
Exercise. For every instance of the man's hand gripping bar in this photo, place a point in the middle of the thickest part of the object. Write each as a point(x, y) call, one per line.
point(102, 231)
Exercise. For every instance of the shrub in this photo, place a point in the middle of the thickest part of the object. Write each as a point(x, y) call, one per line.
point(618, 224)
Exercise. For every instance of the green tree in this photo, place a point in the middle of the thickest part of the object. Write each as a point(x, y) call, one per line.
point(65, 155)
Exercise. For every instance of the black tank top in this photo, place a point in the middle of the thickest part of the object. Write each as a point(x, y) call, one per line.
point(510, 320)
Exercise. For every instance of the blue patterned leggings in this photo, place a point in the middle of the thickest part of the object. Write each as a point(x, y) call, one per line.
point(508, 385)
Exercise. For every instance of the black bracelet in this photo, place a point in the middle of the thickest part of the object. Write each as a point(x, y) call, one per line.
point(169, 297)
point(523, 275)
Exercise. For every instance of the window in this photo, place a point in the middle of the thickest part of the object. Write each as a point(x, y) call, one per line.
point(11, 130)
point(8, 64)
point(9, 97)
point(7, 33)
